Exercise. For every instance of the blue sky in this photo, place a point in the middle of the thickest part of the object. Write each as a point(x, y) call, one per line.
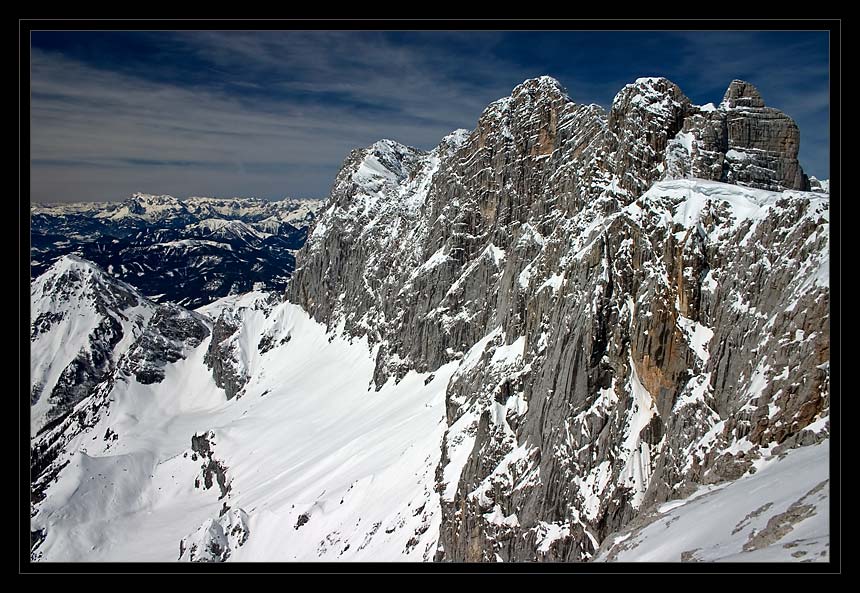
point(274, 113)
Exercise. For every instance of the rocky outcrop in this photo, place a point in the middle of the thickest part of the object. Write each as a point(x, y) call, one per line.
point(624, 330)
point(763, 143)
point(742, 142)
point(819, 185)
point(216, 539)
point(219, 358)
point(171, 331)
point(226, 356)
point(213, 470)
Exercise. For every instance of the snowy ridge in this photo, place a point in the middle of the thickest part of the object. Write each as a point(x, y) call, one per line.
point(78, 314)
point(279, 445)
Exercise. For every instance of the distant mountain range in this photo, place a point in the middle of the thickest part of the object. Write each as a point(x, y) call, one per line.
point(188, 251)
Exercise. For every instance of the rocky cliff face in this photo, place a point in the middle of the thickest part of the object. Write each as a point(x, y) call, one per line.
point(228, 355)
point(743, 142)
point(638, 302)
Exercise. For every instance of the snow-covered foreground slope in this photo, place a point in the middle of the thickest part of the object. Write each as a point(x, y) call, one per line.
point(781, 513)
point(314, 465)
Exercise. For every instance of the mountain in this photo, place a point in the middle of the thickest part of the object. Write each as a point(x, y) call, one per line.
point(532, 343)
point(88, 333)
point(632, 309)
point(81, 323)
point(190, 251)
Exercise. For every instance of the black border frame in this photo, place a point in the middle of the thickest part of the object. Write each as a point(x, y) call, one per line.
point(25, 26)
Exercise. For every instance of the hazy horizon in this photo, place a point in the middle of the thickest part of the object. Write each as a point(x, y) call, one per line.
point(274, 114)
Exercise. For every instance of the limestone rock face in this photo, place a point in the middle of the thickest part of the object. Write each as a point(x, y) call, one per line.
point(645, 116)
point(225, 356)
point(742, 94)
point(632, 311)
point(744, 142)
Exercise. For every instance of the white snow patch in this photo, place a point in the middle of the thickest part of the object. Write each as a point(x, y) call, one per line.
point(554, 282)
point(716, 523)
point(547, 533)
point(360, 463)
point(698, 336)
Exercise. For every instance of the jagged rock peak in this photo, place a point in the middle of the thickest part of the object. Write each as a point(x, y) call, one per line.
point(453, 142)
point(386, 145)
point(540, 85)
point(649, 92)
point(457, 137)
point(385, 159)
point(529, 94)
point(742, 94)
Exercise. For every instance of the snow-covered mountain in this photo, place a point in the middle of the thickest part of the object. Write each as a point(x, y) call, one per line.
point(81, 323)
point(638, 302)
point(568, 334)
point(143, 210)
point(189, 251)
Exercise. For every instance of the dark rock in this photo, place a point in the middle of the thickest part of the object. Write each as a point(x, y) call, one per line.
point(170, 332)
point(303, 518)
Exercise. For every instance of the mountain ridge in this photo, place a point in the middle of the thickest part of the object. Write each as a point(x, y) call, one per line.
point(538, 212)
point(584, 314)
point(189, 251)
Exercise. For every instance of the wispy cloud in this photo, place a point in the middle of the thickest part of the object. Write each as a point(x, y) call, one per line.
point(275, 113)
point(298, 104)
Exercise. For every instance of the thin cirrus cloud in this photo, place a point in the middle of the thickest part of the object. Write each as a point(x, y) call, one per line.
point(275, 113)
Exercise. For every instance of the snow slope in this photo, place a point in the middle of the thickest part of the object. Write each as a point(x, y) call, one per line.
point(318, 466)
point(778, 514)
